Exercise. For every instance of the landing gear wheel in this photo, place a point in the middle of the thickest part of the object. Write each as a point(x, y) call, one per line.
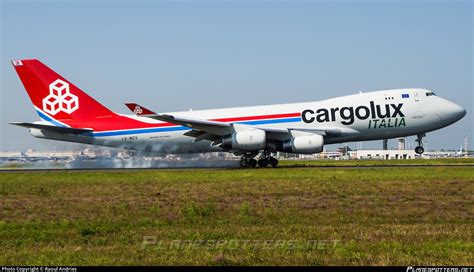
point(243, 163)
point(419, 150)
point(253, 163)
point(247, 160)
point(419, 139)
point(273, 162)
point(263, 163)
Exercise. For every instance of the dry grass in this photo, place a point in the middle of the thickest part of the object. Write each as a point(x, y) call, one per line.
point(397, 216)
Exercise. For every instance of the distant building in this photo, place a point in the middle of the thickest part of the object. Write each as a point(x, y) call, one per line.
point(12, 156)
point(466, 148)
point(401, 144)
point(51, 154)
point(383, 154)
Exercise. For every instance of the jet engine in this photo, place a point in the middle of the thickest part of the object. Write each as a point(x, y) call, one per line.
point(304, 144)
point(248, 140)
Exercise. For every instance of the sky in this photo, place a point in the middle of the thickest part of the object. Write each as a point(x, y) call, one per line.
point(173, 56)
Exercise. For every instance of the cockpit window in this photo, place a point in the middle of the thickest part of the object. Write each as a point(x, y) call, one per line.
point(430, 94)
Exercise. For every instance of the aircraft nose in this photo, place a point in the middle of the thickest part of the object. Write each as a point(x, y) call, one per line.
point(454, 111)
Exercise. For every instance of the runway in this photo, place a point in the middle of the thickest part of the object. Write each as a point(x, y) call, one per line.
point(234, 168)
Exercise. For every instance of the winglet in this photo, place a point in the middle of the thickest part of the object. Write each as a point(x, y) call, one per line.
point(138, 110)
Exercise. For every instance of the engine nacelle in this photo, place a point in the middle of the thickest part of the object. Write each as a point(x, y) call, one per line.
point(305, 144)
point(249, 140)
point(38, 133)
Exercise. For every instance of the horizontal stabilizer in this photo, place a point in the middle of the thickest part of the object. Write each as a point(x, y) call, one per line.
point(62, 130)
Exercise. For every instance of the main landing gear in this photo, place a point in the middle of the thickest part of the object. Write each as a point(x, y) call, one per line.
point(419, 149)
point(248, 161)
point(266, 159)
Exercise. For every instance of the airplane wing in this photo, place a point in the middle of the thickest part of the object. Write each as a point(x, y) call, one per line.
point(63, 130)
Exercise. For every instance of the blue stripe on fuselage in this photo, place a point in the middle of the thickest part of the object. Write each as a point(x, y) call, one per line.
point(180, 128)
point(135, 131)
point(274, 121)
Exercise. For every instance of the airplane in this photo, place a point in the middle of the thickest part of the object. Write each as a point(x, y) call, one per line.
point(69, 114)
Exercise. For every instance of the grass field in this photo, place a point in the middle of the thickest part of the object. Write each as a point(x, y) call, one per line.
point(293, 215)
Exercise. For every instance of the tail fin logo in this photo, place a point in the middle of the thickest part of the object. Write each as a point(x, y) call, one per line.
point(60, 99)
point(138, 110)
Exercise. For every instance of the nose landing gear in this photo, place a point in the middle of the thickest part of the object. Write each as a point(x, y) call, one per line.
point(419, 149)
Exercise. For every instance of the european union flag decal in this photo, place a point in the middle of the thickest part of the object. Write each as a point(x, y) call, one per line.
point(405, 95)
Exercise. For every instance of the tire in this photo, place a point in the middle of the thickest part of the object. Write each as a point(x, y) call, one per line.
point(273, 162)
point(243, 164)
point(419, 150)
point(253, 163)
point(263, 163)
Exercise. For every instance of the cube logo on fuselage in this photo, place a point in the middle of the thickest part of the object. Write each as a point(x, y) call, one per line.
point(390, 114)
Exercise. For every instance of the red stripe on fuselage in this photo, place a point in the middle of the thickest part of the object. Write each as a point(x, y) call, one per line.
point(258, 117)
point(119, 122)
